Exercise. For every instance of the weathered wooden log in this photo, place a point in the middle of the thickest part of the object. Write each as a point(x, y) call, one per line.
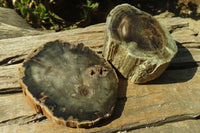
point(136, 44)
point(13, 25)
point(70, 84)
point(10, 17)
point(171, 98)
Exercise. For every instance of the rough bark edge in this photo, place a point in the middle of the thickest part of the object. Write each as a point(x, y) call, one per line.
point(152, 76)
point(109, 53)
point(39, 107)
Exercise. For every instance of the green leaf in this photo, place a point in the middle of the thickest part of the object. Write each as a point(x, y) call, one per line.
point(23, 11)
point(52, 28)
point(52, 14)
point(1, 4)
point(89, 2)
point(91, 5)
point(44, 16)
point(94, 6)
point(25, 1)
point(41, 7)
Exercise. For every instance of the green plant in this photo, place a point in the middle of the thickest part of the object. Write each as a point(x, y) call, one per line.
point(36, 13)
point(88, 8)
point(71, 27)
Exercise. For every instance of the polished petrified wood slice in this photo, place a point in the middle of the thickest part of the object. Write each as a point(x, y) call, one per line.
point(69, 83)
point(136, 44)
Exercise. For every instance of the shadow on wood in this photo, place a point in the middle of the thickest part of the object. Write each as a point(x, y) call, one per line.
point(182, 68)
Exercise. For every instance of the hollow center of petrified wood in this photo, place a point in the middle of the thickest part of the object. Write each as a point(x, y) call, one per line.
point(124, 29)
point(142, 29)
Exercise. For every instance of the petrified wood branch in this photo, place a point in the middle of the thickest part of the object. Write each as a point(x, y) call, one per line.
point(69, 83)
point(136, 44)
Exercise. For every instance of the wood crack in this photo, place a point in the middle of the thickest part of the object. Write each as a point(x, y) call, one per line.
point(23, 120)
point(10, 90)
point(12, 60)
point(168, 120)
point(129, 127)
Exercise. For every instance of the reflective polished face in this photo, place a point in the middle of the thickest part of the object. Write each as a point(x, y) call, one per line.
point(137, 28)
point(71, 81)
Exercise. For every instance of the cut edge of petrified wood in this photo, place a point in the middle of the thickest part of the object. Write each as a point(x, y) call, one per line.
point(156, 65)
point(39, 107)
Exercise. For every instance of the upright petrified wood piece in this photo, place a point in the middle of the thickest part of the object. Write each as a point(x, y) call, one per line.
point(69, 83)
point(136, 44)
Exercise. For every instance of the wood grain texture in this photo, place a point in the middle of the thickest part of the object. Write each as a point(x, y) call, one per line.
point(10, 17)
point(9, 77)
point(9, 31)
point(173, 23)
point(12, 25)
point(16, 48)
point(143, 105)
point(172, 97)
point(16, 104)
point(188, 126)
